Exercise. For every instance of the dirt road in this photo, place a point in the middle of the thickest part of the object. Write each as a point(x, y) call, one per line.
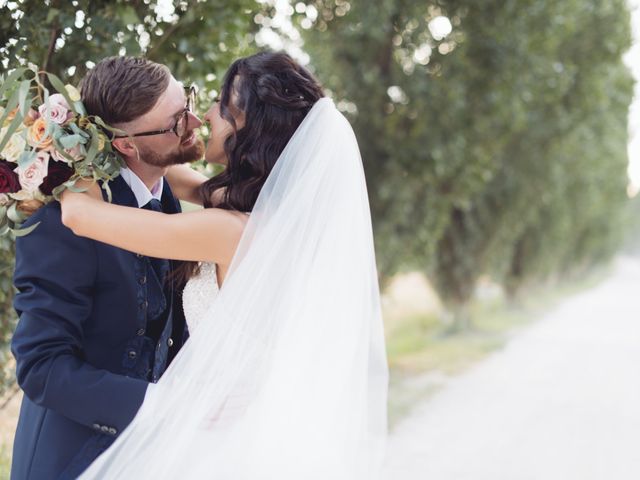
point(560, 402)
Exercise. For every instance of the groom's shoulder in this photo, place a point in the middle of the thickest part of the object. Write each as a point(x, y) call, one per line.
point(49, 214)
point(48, 225)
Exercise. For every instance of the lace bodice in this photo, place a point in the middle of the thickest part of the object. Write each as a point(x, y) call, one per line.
point(198, 295)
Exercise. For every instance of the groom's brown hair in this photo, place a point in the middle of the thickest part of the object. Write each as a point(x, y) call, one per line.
point(121, 89)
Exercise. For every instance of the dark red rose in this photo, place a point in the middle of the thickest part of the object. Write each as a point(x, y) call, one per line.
point(9, 181)
point(57, 174)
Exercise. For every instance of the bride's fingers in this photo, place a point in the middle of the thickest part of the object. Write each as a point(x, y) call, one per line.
point(89, 186)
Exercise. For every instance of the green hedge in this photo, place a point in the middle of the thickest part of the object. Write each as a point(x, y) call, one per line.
point(7, 314)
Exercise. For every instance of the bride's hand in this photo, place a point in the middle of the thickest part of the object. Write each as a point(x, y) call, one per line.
point(90, 187)
point(72, 202)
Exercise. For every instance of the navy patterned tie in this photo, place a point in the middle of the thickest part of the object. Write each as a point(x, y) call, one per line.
point(154, 204)
point(159, 265)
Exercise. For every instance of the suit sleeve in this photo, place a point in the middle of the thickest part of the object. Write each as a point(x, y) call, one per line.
point(55, 276)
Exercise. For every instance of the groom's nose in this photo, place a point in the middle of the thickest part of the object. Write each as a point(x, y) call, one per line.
point(193, 121)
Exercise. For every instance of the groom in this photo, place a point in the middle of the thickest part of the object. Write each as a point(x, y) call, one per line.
point(97, 323)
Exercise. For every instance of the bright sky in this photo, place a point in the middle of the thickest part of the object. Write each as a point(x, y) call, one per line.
point(632, 59)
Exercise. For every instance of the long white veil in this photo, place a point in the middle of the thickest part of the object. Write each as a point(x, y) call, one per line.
point(286, 376)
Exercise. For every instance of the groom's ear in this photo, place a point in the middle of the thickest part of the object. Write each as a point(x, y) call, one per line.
point(125, 146)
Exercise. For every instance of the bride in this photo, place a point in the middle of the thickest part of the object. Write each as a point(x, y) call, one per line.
point(284, 375)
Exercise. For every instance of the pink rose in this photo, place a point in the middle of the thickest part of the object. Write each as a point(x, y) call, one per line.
point(77, 153)
point(58, 108)
point(32, 176)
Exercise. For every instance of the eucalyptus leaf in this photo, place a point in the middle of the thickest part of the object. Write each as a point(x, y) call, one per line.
point(13, 126)
point(70, 141)
point(80, 108)
point(11, 105)
point(56, 192)
point(11, 80)
point(60, 149)
point(14, 214)
point(107, 189)
point(21, 232)
point(24, 102)
point(113, 130)
point(82, 133)
point(59, 86)
point(21, 195)
point(27, 158)
point(93, 148)
point(75, 189)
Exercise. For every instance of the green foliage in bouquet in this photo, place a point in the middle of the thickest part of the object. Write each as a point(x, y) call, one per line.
point(47, 143)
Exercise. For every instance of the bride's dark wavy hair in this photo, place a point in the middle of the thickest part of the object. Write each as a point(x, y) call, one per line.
point(275, 93)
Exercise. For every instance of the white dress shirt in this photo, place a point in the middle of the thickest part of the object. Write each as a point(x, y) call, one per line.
point(142, 193)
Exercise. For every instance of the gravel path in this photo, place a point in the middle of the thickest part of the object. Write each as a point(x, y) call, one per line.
point(560, 402)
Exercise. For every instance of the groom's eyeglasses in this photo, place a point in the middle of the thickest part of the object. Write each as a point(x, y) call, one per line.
point(180, 127)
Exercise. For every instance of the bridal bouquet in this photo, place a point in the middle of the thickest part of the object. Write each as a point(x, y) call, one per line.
point(47, 143)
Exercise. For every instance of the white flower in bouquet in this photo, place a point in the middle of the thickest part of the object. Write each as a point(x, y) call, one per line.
point(16, 145)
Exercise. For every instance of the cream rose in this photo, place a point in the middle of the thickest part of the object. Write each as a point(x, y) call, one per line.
point(32, 176)
point(14, 147)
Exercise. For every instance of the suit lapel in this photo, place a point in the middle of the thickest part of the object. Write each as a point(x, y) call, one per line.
point(169, 203)
point(121, 193)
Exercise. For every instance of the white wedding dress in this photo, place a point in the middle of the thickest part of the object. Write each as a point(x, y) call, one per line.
point(199, 294)
point(284, 375)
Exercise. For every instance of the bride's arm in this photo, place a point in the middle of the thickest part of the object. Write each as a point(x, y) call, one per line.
point(184, 182)
point(208, 235)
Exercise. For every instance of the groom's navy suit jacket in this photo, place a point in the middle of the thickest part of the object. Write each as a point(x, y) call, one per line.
point(96, 325)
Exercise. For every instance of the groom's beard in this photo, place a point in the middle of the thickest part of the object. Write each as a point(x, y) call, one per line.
point(180, 156)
